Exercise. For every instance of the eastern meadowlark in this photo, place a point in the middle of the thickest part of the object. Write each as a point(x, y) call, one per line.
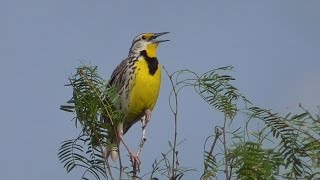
point(137, 79)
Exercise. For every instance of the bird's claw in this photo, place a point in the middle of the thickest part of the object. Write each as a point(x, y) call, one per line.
point(135, 160)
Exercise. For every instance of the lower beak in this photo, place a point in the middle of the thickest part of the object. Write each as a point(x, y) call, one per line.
point(160, 41)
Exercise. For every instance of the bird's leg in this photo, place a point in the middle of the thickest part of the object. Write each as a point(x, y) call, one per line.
point(144, 120)
point(134, 158)
point(143, 137)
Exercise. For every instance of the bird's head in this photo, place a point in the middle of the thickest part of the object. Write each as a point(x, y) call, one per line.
point(147, 42)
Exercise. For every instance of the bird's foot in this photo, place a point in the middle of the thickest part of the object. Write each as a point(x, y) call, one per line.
point(135, 160)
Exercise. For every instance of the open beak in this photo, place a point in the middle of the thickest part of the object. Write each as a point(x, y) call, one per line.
point(156, 35)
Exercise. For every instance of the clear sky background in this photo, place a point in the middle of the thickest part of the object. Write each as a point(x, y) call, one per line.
point(273, 45)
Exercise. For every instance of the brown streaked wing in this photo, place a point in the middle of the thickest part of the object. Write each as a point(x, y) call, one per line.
point(118, 73)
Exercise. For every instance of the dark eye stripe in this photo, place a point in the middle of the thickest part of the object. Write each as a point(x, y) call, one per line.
point(138, 39)
point(135, 41)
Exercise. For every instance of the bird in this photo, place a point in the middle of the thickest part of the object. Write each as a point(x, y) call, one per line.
point(137, 80)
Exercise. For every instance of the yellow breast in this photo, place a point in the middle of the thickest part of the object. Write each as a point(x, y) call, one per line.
point(145, 89)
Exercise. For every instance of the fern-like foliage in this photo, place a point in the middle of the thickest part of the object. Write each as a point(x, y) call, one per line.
point(92, 104)
point(216, 88)
point(80, 153)
point(298, 136)
point(211, 166)
point(251, 161)
point(298, 143)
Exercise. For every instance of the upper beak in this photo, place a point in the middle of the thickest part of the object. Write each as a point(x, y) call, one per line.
point(156, 35)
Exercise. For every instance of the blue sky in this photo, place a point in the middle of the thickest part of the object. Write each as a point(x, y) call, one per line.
point(273, 45)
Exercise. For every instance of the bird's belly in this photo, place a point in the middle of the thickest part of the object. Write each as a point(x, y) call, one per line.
point(145, 91)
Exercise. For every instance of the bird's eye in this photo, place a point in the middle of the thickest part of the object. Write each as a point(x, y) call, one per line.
point(143, 37)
